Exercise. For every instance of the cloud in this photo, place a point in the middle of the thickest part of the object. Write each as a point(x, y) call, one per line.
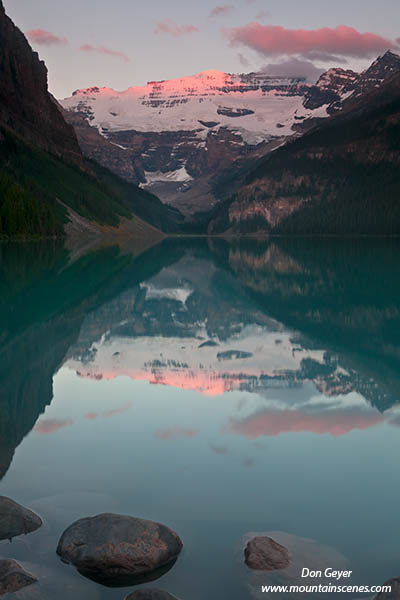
point(273, 423)
point(41, 37)
point(52, 425)
point(243, 60)
point(109, 413)
point(104, 50)
point(170, 27)
point(263, 14)
point(221, 10)
point(275, 40)
point(175, 432)
point(293, 67)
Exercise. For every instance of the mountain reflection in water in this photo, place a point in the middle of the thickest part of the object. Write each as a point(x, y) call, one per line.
point(212, 317)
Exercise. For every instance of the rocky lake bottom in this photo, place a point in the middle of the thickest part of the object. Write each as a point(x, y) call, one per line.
point(227, 390)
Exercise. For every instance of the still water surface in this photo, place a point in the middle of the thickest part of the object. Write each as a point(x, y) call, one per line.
point(217, 388)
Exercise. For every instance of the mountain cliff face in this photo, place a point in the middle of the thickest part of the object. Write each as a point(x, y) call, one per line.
point(341, 177)
point(26, 107)
point(47, 187)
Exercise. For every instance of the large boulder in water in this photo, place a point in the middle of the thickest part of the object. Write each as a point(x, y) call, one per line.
point(119, 550)
point(16, 519)
point(264, 554)
point(13, 577)
point(150, 594)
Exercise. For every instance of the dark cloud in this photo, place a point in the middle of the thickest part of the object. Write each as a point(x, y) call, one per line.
point(293, 67)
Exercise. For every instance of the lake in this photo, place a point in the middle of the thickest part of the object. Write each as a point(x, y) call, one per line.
point(219, 387)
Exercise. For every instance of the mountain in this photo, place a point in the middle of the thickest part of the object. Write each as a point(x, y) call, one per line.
point(179, 133)
point(47, 187)
point(342, 177)
point(179, 137)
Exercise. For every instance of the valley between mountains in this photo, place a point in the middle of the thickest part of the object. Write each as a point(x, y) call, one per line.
point(214, 153)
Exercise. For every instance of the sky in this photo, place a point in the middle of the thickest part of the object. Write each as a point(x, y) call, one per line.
point(126, 42)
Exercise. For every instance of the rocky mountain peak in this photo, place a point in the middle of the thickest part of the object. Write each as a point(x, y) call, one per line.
point(331, 88)
point(382, 69)
point(388, 61)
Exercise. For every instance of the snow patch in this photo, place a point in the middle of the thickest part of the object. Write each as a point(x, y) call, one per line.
point(179, 176)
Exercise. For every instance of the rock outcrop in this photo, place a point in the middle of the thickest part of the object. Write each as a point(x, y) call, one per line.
point(16, 519)
point(117, 548)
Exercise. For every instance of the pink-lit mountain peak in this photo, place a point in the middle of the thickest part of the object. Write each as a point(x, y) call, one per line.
point(205, 81)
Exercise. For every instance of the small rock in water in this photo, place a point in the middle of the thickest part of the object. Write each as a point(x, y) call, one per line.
point(118, 550)
point(13, 577)
point(301, 551)
point(394, 594)
point(264, 554)
point(16, 519)
point(150, 594)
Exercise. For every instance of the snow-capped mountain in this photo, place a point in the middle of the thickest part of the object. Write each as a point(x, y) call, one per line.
point(179, 133)
point(251, 105)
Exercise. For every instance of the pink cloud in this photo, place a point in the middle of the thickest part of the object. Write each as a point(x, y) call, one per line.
point(104, 50)
point(170, 27)
point(335, 423)
point(276, 40)
point(221, 10)
point(41, 37)
point(109, 413)
point(174, 432)
point(52, 425)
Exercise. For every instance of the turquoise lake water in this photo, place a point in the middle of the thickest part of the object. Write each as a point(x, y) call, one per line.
point(218, 387)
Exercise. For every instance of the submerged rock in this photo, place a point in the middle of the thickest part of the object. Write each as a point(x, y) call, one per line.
point(264, 554)
point(394, 594)
point(301, 552)
point(119, 550)
point(150, 594)
point(13, 577)
point(16, 519)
